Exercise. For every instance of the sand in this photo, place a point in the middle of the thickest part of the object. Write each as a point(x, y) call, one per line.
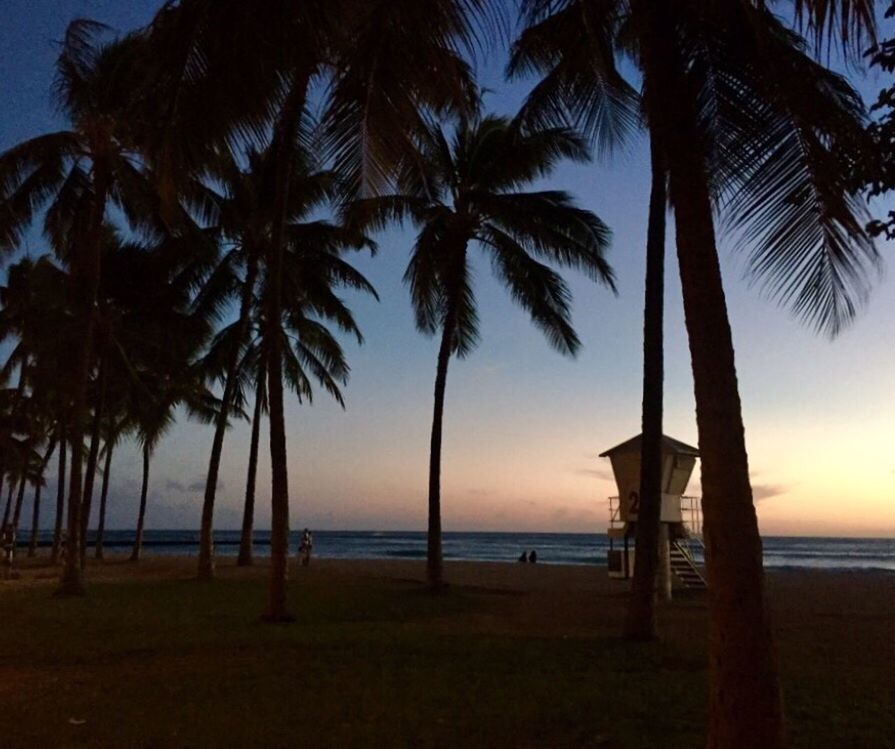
point(848, 615)
point(833, 632)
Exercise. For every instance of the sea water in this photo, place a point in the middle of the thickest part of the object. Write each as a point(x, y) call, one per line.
point(552, 548)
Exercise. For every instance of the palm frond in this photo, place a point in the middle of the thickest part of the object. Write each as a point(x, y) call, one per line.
point(536, 288)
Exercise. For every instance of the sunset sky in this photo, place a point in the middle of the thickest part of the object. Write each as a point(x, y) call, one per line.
point(523, 425)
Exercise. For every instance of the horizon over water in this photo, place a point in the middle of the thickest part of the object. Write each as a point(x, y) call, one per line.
point(553, 548)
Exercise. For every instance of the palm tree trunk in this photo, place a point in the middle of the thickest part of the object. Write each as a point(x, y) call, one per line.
point(141, 517)
point(745, 704)
point(86, 274)
point(20, 500)
point(60, 502)
point(279, 531)
point(206, 535)
point(273, 340)
point(92, 458)
point(248, 516)
point(35, 512)
point(640, 622)
point(104, 493)
point(434, 557)
point(6, 512)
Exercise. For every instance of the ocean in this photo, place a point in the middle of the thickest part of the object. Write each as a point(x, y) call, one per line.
point(552, 548)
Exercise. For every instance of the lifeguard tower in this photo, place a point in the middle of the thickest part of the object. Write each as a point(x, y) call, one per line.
point(680, 528)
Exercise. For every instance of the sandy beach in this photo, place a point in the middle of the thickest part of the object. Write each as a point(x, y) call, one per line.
point(521, 655)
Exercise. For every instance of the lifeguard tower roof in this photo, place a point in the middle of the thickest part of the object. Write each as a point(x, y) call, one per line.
point(669, 446)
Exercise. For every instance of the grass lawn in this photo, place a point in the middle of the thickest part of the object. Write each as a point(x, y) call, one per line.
point(376, 661)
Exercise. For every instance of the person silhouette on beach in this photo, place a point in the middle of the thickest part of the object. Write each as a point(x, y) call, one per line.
point(305, 547)
point(533, 557)
point(8, 541)
point(522, 558)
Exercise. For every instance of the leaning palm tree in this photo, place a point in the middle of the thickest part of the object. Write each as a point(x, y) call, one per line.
point(744, 119)
point(471, 190)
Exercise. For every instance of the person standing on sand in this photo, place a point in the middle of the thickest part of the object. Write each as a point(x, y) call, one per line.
point(8, 541)
point(523, 558)
point(533, 557)
point(305, 547)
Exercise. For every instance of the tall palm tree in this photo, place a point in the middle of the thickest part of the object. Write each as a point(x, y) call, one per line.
point(742, 117)
point(299, 287)
point(81, 172)
point(471, 190)
point(581, 86)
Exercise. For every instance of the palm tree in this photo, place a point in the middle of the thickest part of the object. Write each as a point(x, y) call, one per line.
point(146, 450)
point(245, 557)
point(38, 487)
point(160, 393)
point(582, 87)
point(115, 429)
point(243, 218)
point(81, 172)
point(471, 190)
point(98, 398)
point(299, 288)
point(60, 501)
point(743, 117)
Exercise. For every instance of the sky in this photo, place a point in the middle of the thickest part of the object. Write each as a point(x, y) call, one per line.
point(523, 425)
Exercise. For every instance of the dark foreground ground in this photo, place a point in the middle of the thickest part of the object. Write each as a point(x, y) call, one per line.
point(512, 655)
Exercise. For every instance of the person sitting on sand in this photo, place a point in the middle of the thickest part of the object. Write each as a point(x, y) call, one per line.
point(533, 557)
point(305, 547)
point(523, 557)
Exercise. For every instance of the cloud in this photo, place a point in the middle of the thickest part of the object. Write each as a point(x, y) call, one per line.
point(766, 491)
point(599, 473)
point(199, 486)
point(174, 486)
point(491, 369)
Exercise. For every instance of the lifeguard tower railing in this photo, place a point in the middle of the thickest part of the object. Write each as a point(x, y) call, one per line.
point(691, 511)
